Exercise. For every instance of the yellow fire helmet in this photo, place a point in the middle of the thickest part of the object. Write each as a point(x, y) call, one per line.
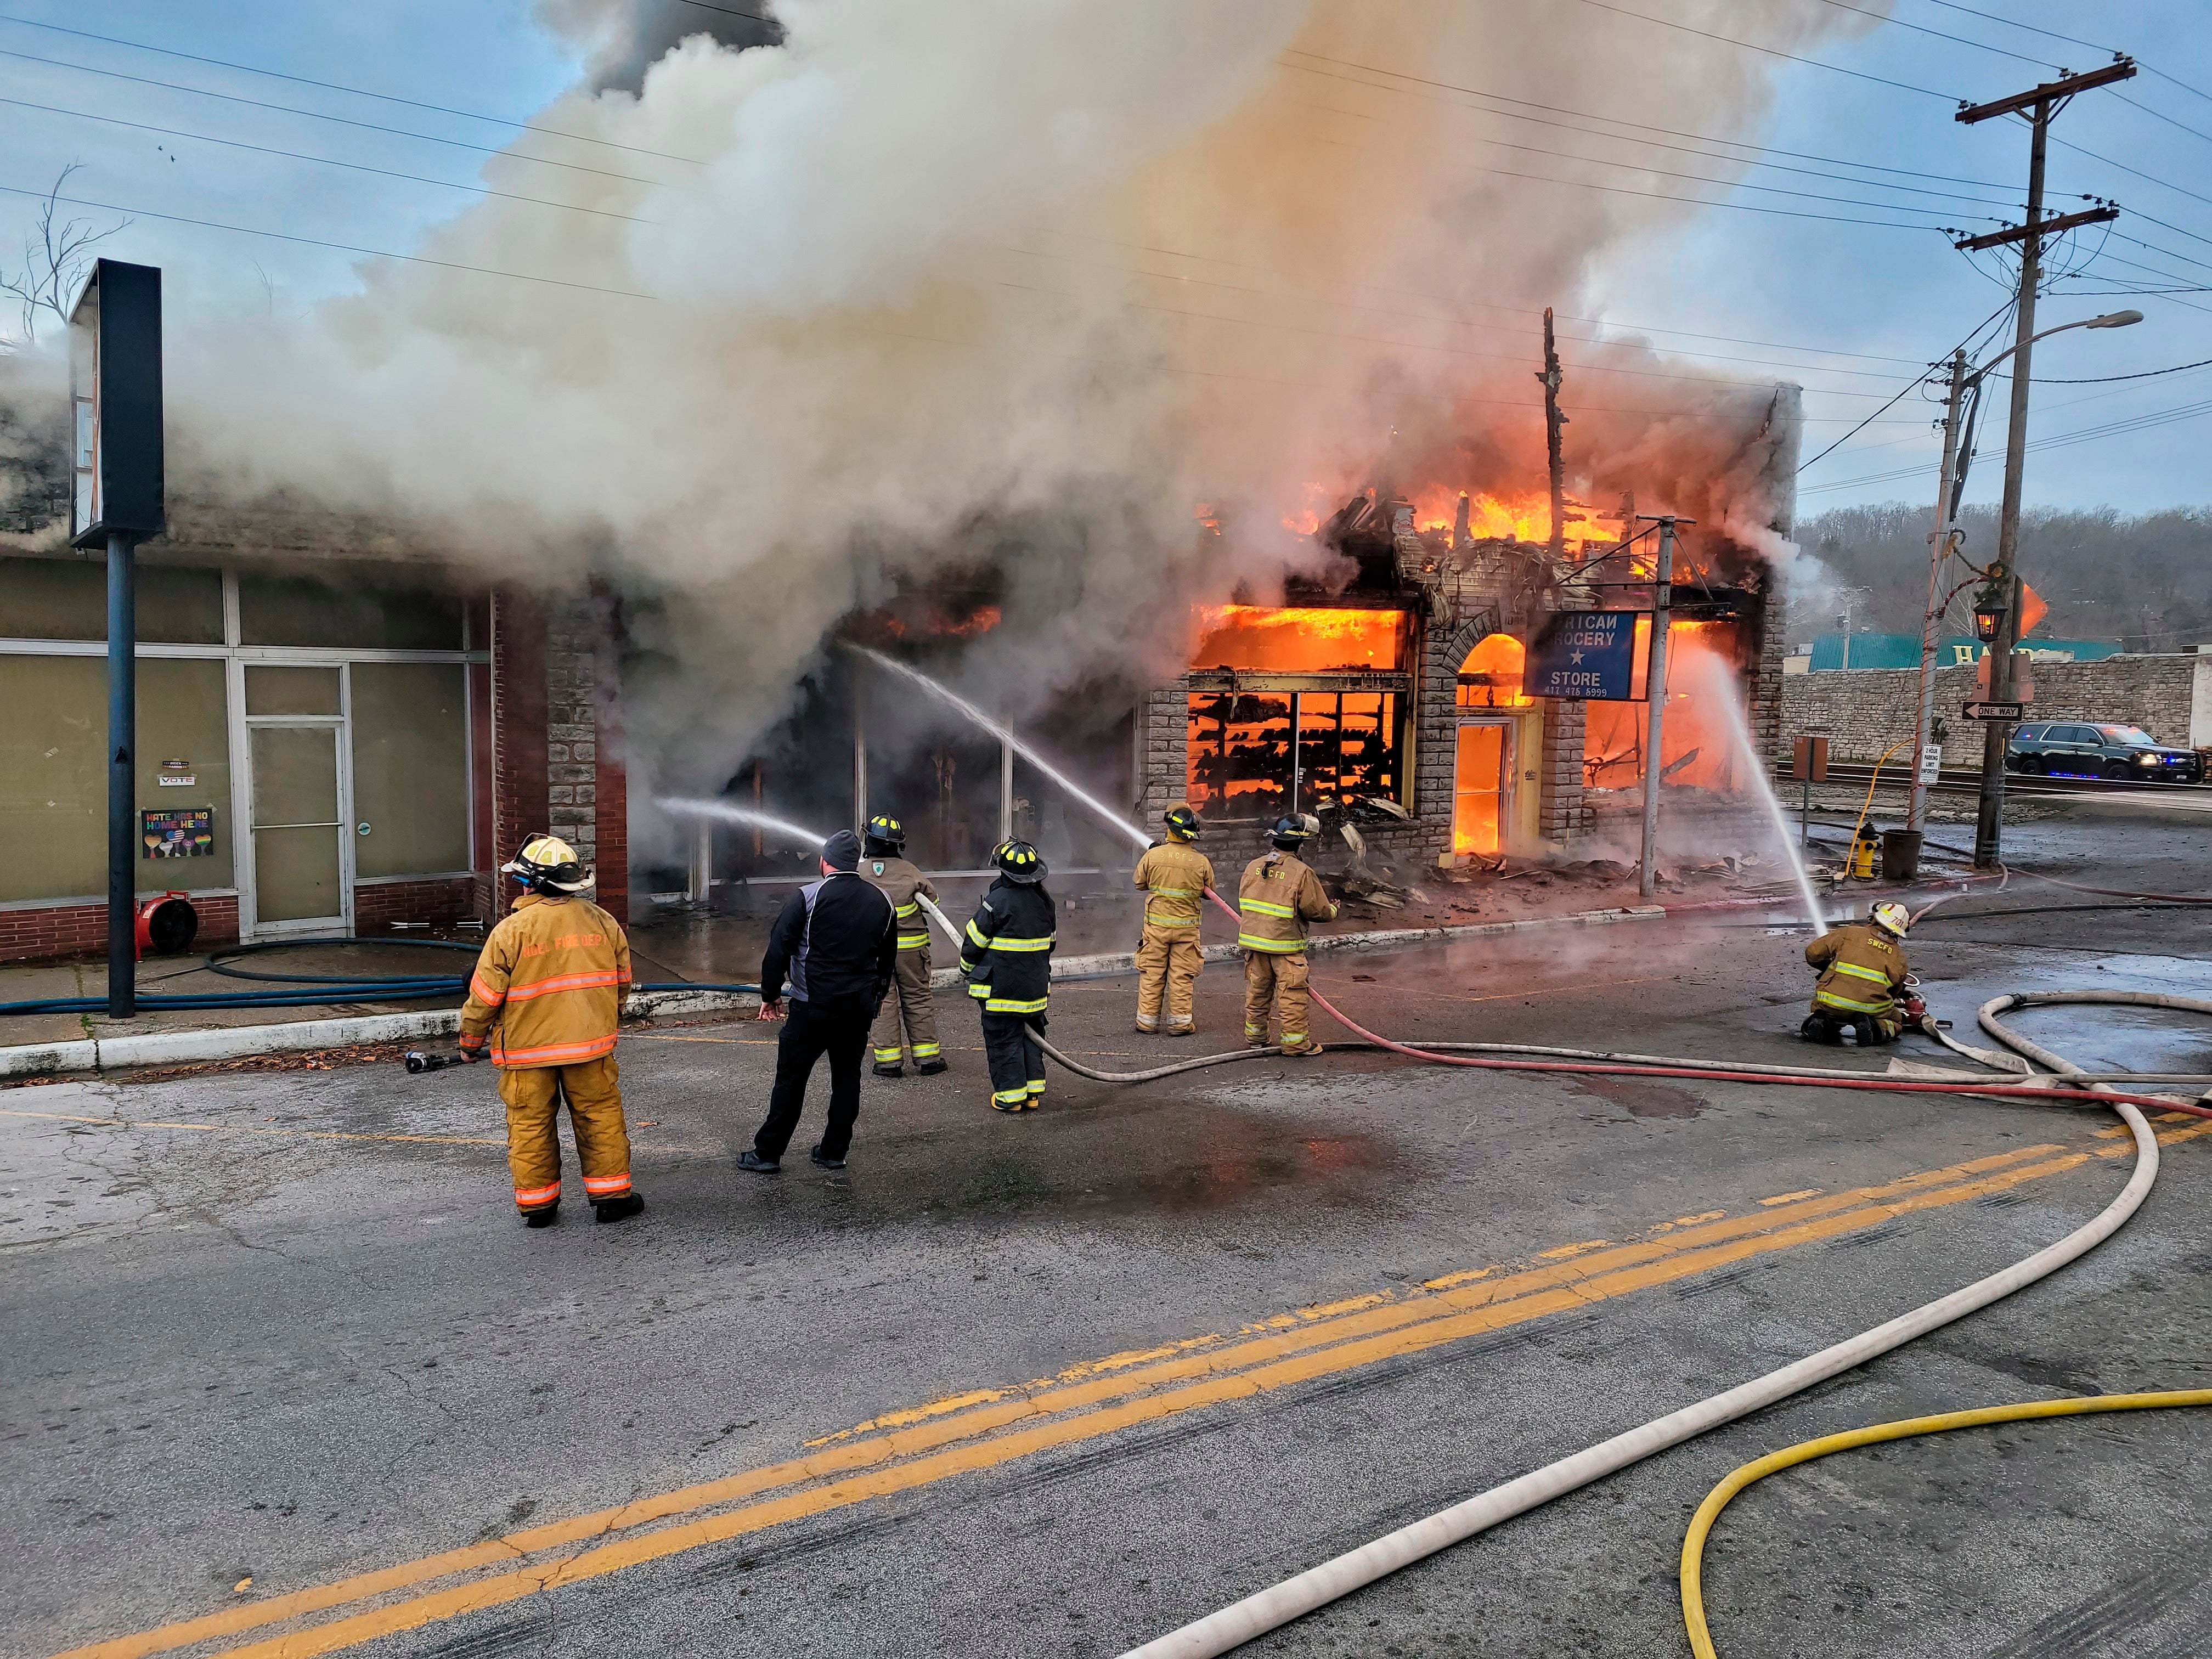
point(1891, 917)
point(1018, 861)
point(547, 863)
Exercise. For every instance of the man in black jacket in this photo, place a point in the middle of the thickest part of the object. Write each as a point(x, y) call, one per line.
point(1007, 956)
point(836, 943)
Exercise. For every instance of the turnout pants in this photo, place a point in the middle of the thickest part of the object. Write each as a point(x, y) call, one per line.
point(533, 1097)
point(1017, 1063)
point(1168, 962)
point(1277, 982)
point(838, 1028)
point(907, 1006)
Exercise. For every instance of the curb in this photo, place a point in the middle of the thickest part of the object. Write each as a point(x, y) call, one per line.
point(239, 1042)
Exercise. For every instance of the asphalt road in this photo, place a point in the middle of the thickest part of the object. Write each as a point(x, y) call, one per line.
point(1054, 1384)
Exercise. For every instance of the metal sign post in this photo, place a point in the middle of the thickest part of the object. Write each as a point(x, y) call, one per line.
point(1654, 696)
point(117, 482)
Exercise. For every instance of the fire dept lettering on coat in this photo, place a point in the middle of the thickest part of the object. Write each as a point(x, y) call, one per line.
point(566, 942)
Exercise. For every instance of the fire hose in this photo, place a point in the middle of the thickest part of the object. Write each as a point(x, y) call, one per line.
point(1269, 1608)
point(1272, 1607)
point(1509, 1057)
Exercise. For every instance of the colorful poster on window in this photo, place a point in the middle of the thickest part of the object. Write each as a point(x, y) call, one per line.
point(178, 832)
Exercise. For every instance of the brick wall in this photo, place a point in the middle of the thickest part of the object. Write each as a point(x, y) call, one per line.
point(377, 905)
point(518, 723)
point(1864, 710)
point(47, 932)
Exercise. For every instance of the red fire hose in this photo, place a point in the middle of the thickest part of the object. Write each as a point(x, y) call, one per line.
point(1888, 1085)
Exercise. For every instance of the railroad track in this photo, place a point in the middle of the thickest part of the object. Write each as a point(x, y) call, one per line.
point(1856, 774)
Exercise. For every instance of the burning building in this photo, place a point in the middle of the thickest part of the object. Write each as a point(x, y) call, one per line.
point(1396, 693)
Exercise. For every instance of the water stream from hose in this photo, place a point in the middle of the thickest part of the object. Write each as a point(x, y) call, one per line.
point(1006, 735)
point(1716, 682)
point(682, 807)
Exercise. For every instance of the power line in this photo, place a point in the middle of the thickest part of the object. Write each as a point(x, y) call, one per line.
point(1699, 201)
point(732, 12)
point(1790, 57)
point(2074, 40)
point(1913, 385)
point(1883, 17)
point(1671, 132)
point(1522, 311)
point(2099, 380)
point(333, 85)
point(2135, 172)
point(2160, 115)
point(316, 115)
point(315, 242)
point(324, 160)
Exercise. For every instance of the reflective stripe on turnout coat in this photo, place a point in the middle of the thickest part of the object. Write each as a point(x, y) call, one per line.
point(550, 982)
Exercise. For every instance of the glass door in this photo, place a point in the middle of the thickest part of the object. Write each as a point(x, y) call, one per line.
point(1481, 785)
point(300, 838)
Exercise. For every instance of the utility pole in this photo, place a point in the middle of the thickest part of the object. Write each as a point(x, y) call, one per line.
point(1655, 701)
point(1552, 421)
point(2040, 105)
point(1940, 540)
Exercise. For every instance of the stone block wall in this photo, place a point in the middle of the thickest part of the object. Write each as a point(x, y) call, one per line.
point(1162, 757)
point(1863, 711)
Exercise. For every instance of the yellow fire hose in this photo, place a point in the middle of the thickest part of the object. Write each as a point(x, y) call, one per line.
point(1701, 1524)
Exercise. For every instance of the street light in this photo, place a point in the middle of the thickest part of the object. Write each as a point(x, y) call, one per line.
point(1996, 617)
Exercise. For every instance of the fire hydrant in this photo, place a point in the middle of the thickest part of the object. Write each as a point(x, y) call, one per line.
point(1865, 847)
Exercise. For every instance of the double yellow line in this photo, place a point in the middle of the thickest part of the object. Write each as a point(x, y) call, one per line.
point(984, 1428)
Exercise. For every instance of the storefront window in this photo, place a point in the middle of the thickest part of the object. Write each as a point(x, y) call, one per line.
point(67, 599)
point(411, 777)
point(53, 810)
point(364, 609)
point(1243, 765)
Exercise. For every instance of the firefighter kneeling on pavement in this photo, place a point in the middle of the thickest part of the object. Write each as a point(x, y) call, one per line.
point(883, 864)
point(1278, 896)
point(1175, 876)
point(546, 995)
point(1006, 959)
point(1863, 970)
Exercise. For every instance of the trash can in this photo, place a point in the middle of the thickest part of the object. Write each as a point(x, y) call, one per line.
point(1900, 854)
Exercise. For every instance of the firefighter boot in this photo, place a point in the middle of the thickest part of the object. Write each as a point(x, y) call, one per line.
point(931, 1067)
point(1816, 1029)
point(620, 1207)
point(892, 1070)
point(544, 1216)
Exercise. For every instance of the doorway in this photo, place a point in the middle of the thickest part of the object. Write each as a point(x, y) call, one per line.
point(299, 878)
point(1482, 786)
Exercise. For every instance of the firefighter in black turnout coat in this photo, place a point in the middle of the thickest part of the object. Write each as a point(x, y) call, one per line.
point(1006, 957)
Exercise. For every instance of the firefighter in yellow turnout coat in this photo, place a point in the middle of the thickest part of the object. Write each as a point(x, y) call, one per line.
point(1175, 876)
point(545, 997)
point(907, 1007)
point(1861, 967)
point(1277, 898)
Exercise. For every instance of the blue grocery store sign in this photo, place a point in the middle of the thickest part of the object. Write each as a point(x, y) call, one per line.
point(1584, 653)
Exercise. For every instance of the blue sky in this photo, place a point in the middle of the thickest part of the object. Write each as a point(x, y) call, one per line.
point(1898, 296)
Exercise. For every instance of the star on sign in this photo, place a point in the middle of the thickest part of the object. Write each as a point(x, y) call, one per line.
point(1576, 658)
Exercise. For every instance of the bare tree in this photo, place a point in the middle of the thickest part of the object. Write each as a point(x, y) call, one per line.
point(55, 261)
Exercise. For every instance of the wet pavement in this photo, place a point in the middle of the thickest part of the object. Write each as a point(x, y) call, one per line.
point(262, 1332)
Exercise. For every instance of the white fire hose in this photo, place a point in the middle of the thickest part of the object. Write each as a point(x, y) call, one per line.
point(1279, 1604)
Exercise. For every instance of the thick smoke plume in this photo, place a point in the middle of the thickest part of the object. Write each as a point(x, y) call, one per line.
point(1008, 282)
